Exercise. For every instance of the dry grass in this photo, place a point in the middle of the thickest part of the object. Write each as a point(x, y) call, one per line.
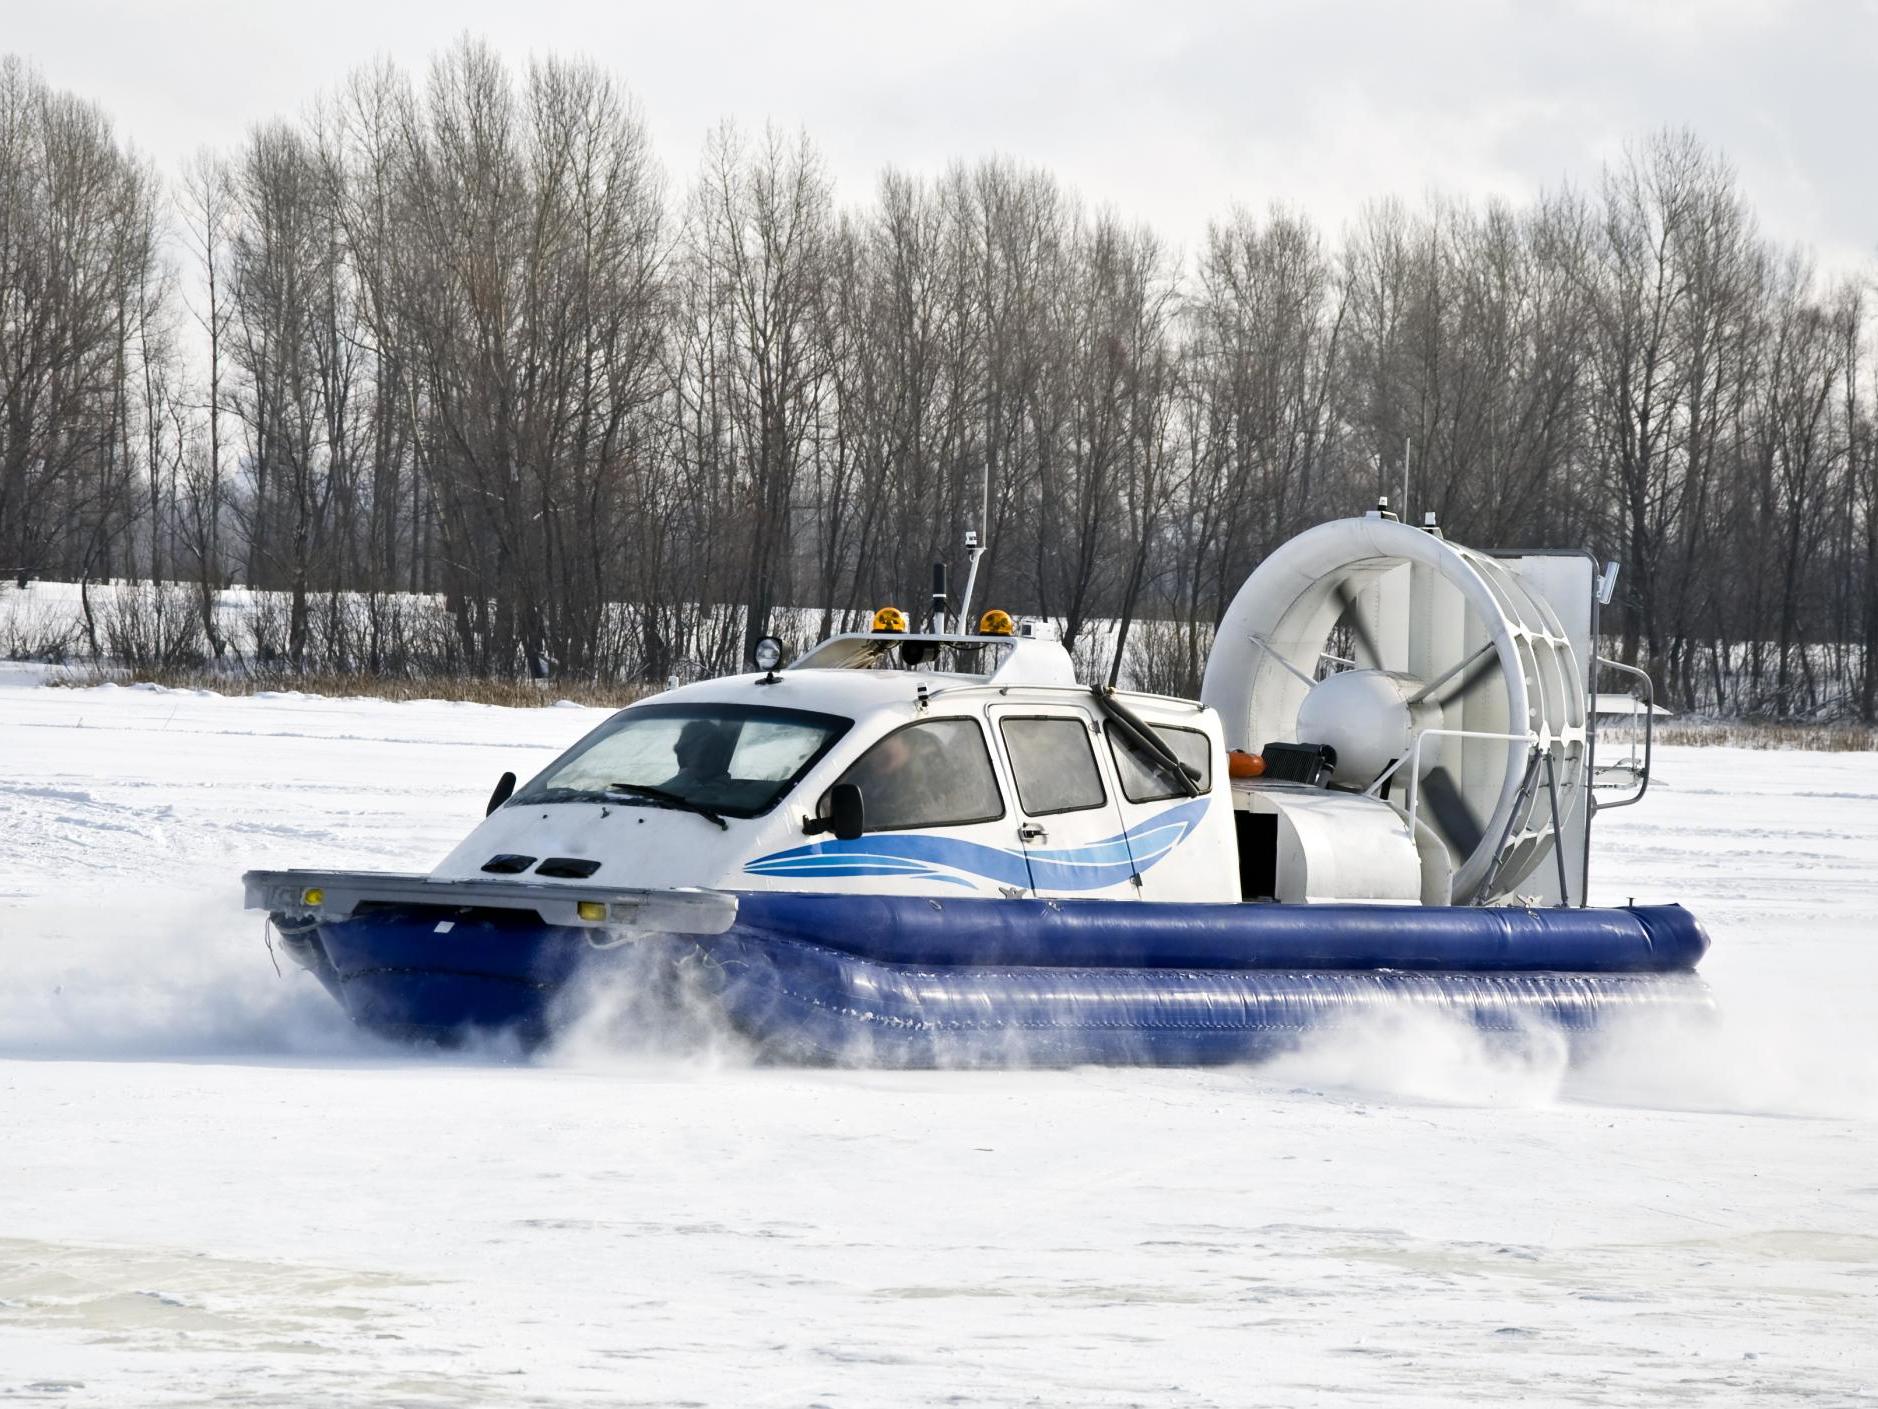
point(1756, 734)
point(521, 694)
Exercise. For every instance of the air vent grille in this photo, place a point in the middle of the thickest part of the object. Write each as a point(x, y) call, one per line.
point(567, 868)
point(508, 864)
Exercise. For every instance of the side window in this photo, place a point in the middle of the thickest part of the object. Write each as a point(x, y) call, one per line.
point(1145, 778)
point(936, 773)
point(1054, 766)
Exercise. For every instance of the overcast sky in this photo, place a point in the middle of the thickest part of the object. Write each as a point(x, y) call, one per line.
point(1167, 112)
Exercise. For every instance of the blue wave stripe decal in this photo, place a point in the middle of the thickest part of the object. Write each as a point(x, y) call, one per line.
point(799, 864)
point(821, 872)
point(1102, 863)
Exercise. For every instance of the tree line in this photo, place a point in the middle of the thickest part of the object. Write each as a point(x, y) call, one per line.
point(464, 380)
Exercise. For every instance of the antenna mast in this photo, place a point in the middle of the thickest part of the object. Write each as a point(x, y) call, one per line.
point(974, 547)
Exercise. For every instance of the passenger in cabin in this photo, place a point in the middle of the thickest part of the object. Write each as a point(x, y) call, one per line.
point(897, 779)
point(703, 751)
point(935, 773)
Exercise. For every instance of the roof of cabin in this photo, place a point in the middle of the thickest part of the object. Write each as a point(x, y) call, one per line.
point(853, 692)
point(844, 692)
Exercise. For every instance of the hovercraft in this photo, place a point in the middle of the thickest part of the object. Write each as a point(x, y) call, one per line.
point(929, 847)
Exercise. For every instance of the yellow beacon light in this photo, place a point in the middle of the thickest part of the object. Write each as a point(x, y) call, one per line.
point(996, 623)
point(890, 619)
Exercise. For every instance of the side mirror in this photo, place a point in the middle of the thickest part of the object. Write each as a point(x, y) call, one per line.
point(505, 789)
point(845, 814)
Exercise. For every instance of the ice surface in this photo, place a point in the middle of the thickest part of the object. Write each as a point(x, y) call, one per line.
point(213, 1191)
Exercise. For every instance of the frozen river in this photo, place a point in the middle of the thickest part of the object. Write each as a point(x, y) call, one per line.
point(213, 1192)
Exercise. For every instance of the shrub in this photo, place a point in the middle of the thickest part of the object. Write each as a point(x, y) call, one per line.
point(146, 628)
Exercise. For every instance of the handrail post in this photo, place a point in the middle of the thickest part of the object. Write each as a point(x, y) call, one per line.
point(1558, 831)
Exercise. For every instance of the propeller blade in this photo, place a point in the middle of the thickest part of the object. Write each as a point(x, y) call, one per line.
point(1359, 628)
point(1451, 812)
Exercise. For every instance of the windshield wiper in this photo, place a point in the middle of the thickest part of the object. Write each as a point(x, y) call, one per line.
point(1143, 737)
point(683, 804)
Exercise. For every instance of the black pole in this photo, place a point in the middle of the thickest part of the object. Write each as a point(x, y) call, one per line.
point(938, 597)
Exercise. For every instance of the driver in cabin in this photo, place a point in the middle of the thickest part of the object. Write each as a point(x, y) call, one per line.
point(703, 751)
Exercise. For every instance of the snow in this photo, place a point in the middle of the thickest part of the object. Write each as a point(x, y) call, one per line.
point(213, 1191)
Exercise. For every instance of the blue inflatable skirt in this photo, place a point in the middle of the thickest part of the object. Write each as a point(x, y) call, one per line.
point(916, 981)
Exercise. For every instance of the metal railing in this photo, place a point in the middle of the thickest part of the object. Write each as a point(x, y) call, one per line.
point(1528, 785)
point(1414, 761)
point(1640, 773)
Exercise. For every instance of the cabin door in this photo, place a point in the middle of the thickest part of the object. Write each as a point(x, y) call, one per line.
point(1182, 848)
point(1067, 818)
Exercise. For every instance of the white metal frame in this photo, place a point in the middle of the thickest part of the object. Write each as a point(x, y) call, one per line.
point(1414, 759)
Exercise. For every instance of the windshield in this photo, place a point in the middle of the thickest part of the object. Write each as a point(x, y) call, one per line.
point(737, 760)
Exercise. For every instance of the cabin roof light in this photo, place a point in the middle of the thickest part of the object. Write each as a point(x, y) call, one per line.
point(890, 620)
point(996, 623)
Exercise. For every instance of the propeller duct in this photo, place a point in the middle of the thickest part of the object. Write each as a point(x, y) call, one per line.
point(1461, 670)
